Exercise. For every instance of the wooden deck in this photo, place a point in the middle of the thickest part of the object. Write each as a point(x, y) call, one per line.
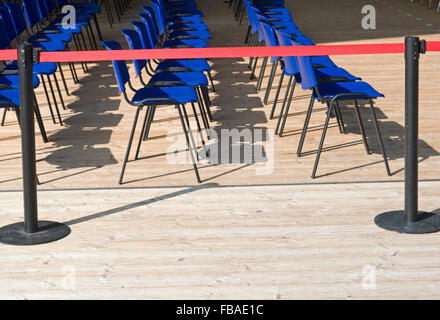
point(241, 233)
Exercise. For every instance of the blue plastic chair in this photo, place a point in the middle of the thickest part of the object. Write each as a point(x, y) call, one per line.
point(326, 74)
point(145, 30)
point(153, 97)
point(10, 99)
point(194, 79)
point(332, 93)
point(10, 72)
point(15, 21)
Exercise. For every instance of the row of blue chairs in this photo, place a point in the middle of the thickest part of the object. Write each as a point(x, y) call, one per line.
point(170, 24)
point(271, 24)
point(430, 3)
point(120, 6)
point(40, 22)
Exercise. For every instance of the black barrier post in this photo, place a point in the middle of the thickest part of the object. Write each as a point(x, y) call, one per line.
point(31, 231)
point(411, 220)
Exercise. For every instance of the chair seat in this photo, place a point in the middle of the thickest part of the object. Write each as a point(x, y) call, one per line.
point(334, 72)
point(192, 65)
point(184, 13)
point(174, 20)
point(79, 22)
point(330, 89)
point(12, 98)
point(165, 95)
point(303, 40)
point(184, 26)
point(90, 6)
point(50, 45)
point(59, 29)
point(202, 34)
point(65, 37)
point(192, 43)
point(39, 68)
point(14, 80)
point(322, 62)
point(192, 79)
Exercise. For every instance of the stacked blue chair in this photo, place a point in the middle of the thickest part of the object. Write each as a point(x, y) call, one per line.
point(171, 82)
point(270, 23)
point(331, 93)
point(9, 89)
point(14, 26)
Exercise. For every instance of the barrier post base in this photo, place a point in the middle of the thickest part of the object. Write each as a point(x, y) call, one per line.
point(427, 222)
point(48, 231)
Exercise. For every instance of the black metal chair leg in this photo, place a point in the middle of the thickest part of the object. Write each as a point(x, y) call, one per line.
point(205, 93)
point(117, 10)
point(89, 37)
point(79, 48)
point(321, 143)
point(289, 84)
point(92, 37)
point(340, 118)
point(254, 66)
point(252, 42)
point(149, 122)
point(248, 33)
point(17, 114)
point(98, 29)
point(286, 112)
point(130, 141)
point(59, 92)
point(40, 120)
point(270, 82)
point(361, 126)
point(203, 111)
point(138, 149)
point(63, 79)
point(199, 128)
point(305, 126)
point(54, 100)
point(277, 95)
point(109, 15)
point(262, 71)
point(4, 116)
point(72, 71)
point(379, 135)
point(189, 144)
point(193, 141)
point(211, 81)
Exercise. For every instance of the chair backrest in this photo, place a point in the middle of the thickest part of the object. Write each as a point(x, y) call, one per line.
point(152, 34)
point(150, 12)
point(60, 3)
point(31, 11)
point(251, 12)
point(307, 71)
point(141, 28)
point(269, 36)
point(8, 32)
point(290, 63)
point(42, 8)
point(120, 67)
point(17, 17)
point(4, 43)
point(160, 16)
point(134, 42)
point(50, 6)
